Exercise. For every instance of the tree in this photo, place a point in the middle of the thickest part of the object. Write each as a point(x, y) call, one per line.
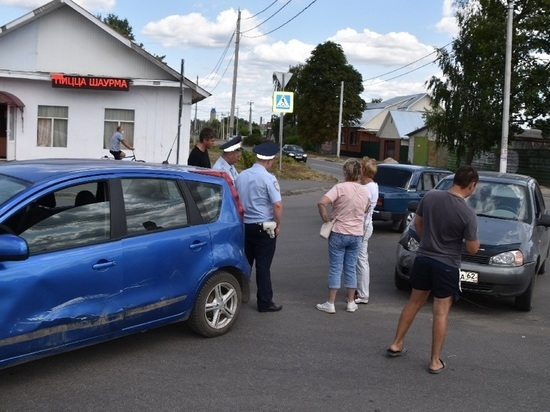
point(317, 86)
point(122, 27)
point(468, 99)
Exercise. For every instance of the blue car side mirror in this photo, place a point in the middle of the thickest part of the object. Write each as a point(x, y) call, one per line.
point(13, 248)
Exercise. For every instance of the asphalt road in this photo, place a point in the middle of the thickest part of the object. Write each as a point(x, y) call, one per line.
point(301, 359)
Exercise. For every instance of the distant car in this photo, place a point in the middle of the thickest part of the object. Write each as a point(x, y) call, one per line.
point(513, 231)
point(94, 250)
point(295, 151)
point(399, 184)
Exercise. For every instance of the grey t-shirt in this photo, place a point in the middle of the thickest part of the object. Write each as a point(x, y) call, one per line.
point(447, 221)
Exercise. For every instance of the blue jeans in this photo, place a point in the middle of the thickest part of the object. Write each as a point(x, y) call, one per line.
point(342, 253)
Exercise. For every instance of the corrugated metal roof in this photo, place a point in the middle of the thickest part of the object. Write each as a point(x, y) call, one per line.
point(397, 103)
point(404, 122)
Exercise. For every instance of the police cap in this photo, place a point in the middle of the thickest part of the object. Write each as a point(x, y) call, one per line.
point(266, 151)
point(232, 145)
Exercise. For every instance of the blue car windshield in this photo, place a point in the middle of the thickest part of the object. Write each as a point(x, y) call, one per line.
point(10, 186)
point(393, 177)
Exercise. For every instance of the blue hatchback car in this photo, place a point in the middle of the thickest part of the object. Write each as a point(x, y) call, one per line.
point(91, 250)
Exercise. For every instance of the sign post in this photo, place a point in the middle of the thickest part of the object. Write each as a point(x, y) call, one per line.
point(283, 102)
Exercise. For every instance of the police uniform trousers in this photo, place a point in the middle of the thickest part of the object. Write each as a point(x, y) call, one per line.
point(260, 248)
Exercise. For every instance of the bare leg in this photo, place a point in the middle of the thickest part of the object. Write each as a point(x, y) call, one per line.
point(332, 295)
point(441, 308)
point(350, 293)
point(411, 308)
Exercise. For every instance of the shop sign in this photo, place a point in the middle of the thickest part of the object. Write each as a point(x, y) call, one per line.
point(88, 82)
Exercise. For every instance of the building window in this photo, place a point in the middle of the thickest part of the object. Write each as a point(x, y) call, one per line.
point(52, 126)
point(115, 118)
point(390, 149)
point(353, 139)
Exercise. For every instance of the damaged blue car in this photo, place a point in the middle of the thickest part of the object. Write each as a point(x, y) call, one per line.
point(91, 250)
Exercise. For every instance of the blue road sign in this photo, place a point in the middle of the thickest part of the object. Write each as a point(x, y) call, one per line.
point(283, 102)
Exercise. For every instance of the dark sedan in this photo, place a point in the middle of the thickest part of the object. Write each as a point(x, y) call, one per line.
point(295, 151)
point(399, 184)
point(513, 231)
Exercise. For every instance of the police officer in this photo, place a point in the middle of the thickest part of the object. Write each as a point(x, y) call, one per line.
point(260, 196)
point(231, 155)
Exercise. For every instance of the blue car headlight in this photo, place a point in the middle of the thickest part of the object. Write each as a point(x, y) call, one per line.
point(511, 258)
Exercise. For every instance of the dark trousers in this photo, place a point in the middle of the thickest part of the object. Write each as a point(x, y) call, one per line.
point(260, 248)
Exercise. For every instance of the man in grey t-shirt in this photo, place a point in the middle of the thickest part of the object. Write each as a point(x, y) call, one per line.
point(443, 221)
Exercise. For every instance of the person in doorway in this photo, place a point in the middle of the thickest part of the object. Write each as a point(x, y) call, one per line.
point(350, 202)
point(260, 196)
point(443, 223)
point(199, 154)
point(117, 139)
point(231, 154)
point(369, 168)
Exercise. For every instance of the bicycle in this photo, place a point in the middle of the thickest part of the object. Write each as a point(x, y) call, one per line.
point(130, 158)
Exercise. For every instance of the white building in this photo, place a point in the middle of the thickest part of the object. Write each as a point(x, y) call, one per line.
point(67, 80)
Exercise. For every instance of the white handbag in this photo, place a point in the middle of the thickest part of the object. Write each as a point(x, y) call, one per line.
point(326, 228)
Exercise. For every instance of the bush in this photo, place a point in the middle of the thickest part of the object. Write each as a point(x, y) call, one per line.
point(252, 140)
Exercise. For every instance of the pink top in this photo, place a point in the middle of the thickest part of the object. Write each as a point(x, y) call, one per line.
point(350, 202)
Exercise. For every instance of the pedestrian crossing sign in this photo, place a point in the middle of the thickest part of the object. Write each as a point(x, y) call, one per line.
point(283, 102)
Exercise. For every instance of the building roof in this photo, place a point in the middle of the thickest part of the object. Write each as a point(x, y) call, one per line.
point(399, 124)
point(374, 110)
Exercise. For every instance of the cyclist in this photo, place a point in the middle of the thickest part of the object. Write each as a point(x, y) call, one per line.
point(114, 144)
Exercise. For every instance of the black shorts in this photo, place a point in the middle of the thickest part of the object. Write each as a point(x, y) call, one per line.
point(430, 274)
point(116, 154)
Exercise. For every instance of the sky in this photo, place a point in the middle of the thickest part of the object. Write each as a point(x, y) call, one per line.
point(391, 43)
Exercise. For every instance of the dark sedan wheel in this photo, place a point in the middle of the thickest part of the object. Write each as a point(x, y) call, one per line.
point(217, 306)
point(524, 302)
point(401, 283)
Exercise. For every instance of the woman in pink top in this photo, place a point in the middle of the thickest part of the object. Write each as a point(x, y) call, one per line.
point(350, 202)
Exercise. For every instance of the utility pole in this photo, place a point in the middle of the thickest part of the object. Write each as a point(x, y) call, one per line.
point(280, 80)
point(195, 128)
point(179, 115)
point(506, 97)
point(250, 119)
point(236, 124)
point(235, 70)
point(340, 120)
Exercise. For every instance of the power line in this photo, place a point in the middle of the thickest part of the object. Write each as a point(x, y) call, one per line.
point(409, 64)
point(282, 7)
point(260, 12)
point(218, 64)
point(403, 74)
point(284, 24)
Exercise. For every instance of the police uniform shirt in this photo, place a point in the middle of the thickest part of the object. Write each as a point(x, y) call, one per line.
point(222, 165)
point(258, 190)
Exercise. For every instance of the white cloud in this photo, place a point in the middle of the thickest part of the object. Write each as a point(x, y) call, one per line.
point(389, 49)
point(447, 24)
point(195, 31)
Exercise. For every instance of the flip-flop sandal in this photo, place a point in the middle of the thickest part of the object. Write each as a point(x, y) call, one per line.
point(436, 371)
point(395, 353)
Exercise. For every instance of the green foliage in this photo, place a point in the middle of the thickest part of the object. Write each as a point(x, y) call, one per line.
point(471, 90)
point(317, 87)
point(252, 140)
point(247, 159)
point(122, 26)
